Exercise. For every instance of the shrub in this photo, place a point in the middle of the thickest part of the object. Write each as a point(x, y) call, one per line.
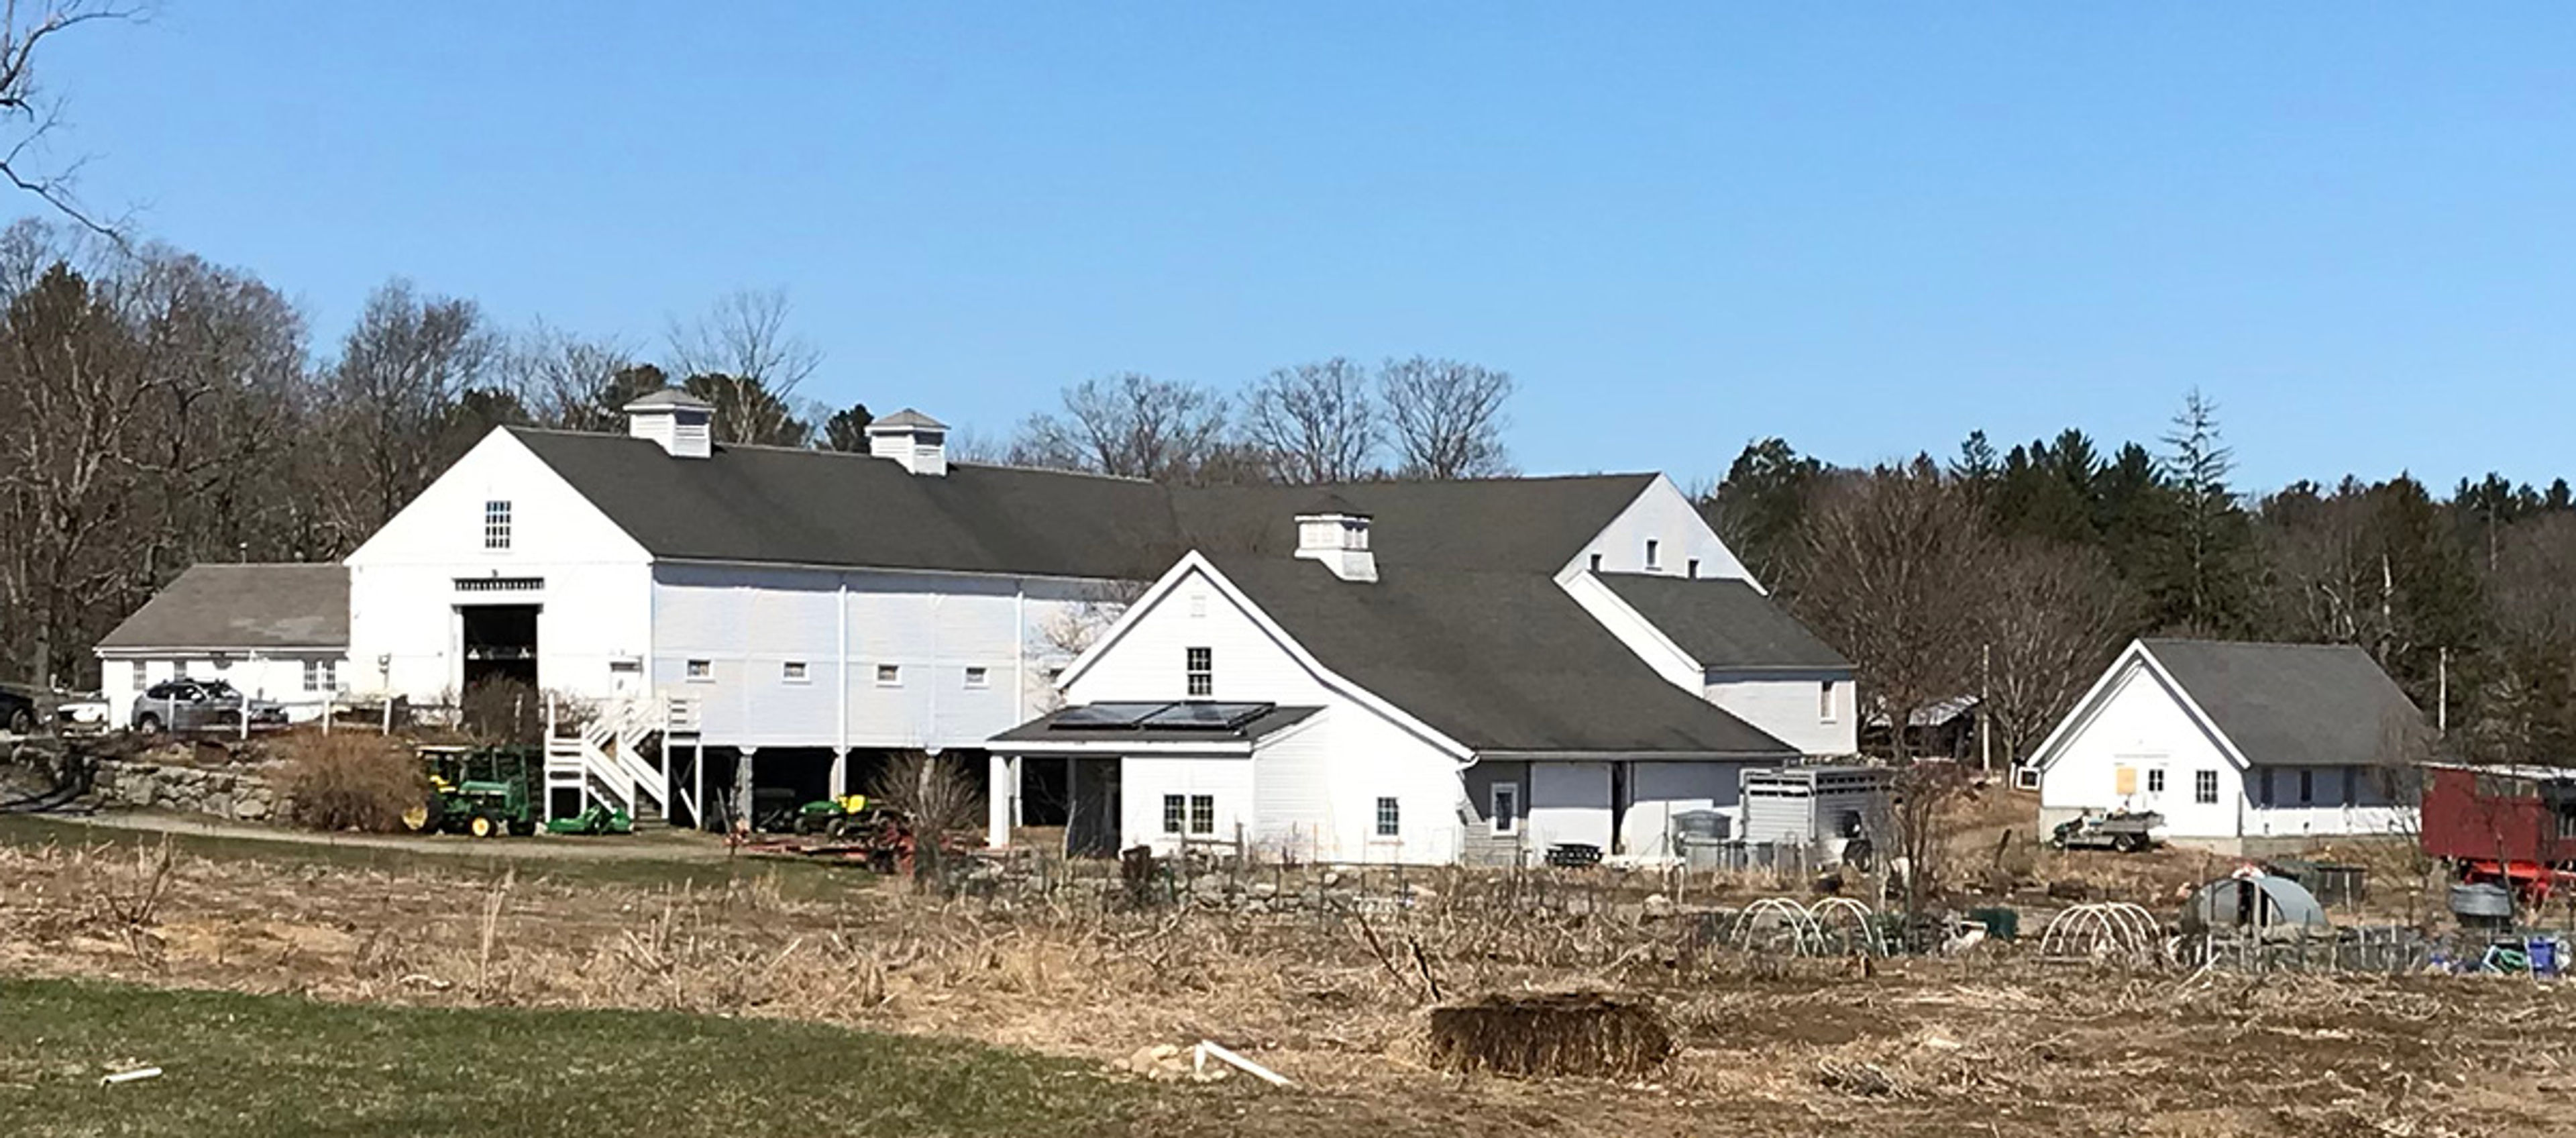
point(350, 781)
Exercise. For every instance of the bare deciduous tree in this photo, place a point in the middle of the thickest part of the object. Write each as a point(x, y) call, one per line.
point(939, 795)
point(34, 117)
point(1893, 562)
point(1446, 417)
point(2054, 616)
point(1130, 425)
point(743, 337)
point(391, 398)
point(1315, 421)
point(573, 382)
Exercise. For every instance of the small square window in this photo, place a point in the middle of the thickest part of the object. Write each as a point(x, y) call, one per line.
point(2156, 780)
point(1596, 562)
point(1390, 818)
point(793, 671)
point(700, 671)
point(1200, 664)
point(1654, 554)
point(496, 525)
point(1202, 813)
point(1694, 568)
point(889, 675)
point(978, 677)
point(1174, 813)
point(2204, 787)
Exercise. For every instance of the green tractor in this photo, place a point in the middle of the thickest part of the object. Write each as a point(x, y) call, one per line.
point(478, 791)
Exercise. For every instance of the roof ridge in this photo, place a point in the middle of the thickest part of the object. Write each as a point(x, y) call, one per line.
point(2300, 644)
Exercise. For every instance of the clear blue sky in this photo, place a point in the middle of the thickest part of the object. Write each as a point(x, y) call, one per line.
point(1867, 229)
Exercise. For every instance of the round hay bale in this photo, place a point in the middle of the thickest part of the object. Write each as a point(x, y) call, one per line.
point(1550, 1033)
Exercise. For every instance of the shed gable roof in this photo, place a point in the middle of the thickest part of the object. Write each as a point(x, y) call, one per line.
point(1724, 624)
point(243, 608)
point(2294, 704)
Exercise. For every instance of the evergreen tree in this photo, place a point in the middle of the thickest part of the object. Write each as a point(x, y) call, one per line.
point(2204, 589)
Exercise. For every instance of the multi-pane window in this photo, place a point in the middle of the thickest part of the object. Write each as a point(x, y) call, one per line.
point(793, 671)
point(1200, 664)
point(1175, 812)
point(139, 669)
point(1390, 818)
point(1202, 813)
point(1507, 807)
point(2156, 780)
point(2204, 787)
point(321, 675)
point(496, 525)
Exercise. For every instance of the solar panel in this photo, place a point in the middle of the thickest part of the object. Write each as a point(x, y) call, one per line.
point(1106, 716)
point(1207, 716)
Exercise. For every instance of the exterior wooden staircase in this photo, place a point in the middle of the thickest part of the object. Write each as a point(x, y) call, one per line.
point(610, 758)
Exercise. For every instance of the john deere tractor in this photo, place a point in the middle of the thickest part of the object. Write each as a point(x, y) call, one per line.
point(478, 792)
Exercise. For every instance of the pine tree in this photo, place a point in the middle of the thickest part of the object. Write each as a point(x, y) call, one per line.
point(2204, 590)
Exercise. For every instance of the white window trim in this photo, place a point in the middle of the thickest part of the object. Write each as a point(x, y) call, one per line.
point(698, 671)
point(1377, 818)
point(498, 516)
point(889, 675)
point(978, 676)
point(1193, 819)
point(1176, 821)
point(795, 672)
point(1829, 704)
point(1504, 824)
point(2200, 777)
point(1191, 672)
point(1654, 554)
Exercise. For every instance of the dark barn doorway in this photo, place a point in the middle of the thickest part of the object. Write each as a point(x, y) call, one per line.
point(500, 644)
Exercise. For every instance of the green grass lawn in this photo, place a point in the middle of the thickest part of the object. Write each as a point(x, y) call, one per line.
point(282, 1066)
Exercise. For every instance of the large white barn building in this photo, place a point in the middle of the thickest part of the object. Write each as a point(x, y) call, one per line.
point(1579, 648)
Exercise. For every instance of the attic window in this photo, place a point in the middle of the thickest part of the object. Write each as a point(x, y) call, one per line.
point(1654, 554)
point(1596, 562)
point(1694, 568)
point(1200, 664)
point(496, 525)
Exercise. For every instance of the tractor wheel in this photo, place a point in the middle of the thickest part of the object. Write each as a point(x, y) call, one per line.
point(416, 819)
point(482, 827)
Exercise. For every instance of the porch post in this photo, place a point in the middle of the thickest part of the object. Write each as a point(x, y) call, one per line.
point(840, 781)
point(742, 783)
point(1001, 799)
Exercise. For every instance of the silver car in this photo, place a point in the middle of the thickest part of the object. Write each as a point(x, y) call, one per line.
point(199, 705)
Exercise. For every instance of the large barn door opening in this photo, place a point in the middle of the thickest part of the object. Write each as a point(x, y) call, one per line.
point(1091, 826)
point(500, 644)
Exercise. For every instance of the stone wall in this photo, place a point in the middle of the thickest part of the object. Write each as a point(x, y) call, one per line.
point(237, 792)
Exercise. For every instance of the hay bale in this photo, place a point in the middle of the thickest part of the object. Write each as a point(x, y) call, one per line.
point(1554, 1033)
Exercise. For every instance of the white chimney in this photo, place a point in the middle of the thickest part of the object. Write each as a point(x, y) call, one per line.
point(1337, 534)
point(916, 441)
point(682, 424)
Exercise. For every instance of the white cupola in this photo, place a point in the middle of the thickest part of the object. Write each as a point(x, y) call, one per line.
point(681, 423)
point(1337, 533)
point(915, 440)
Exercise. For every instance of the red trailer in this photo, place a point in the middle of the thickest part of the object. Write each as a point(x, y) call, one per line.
point(2510, 824)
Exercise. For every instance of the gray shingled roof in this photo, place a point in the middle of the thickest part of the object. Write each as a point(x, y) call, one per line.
point(669, 397)
point(781, 506)
point(1725, 624)
point(2295, 704)
point(1499, 661)
point(243, 608)
point(910, 418)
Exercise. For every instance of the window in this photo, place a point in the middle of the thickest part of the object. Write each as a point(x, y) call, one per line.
point(1198, 604)
point(1693, 563)
point(978, 677)
point(2156, 780)
point(1202, 813)
point(2307, 787)
point(793, 671)
point(700, 671)
point(321, 675)
point(496, 525)
point(1200, 664)
point(2263, 786)
point(1596, 562)
point(2204, 787)
point(1173, 813)
point(1654, 554)
point(1825, 701)
point(1507, 806)
point(1389, 817)
point(889, 675)
point(139, 669)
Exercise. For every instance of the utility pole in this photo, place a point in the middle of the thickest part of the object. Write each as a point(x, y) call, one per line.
point(1985, 724)
point(2442, 700)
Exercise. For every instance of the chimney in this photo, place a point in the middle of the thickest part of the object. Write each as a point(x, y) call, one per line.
point(913, 440)
point(682, 424)
point(1337, 534)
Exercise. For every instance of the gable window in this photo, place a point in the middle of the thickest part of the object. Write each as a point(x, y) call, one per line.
point(1825, 701)
point(1175, 813)
point(1389, 818)
point(1200, 666)
point(793, 671)
point(496, 525)
point(1596, 562)
point(1202, 813)
point(1507, 806)
point(1693, 563)
point(889, 675)
point(1654, 554)
point(2204, 787)
point(2155, 780)
point(978, 677)
point(700, 671)
point(1198, 604)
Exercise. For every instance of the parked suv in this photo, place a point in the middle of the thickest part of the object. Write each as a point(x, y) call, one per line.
point(197, 705)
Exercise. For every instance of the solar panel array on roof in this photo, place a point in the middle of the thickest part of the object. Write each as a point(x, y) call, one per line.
point(1191, 715)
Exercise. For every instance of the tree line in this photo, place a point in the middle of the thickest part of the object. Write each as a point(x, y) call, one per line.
point(2020, 573)
point(157, 410)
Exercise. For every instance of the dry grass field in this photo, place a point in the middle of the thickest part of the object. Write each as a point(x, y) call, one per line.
point(1991, 1042)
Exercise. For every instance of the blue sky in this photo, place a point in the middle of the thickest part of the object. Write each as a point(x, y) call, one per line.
point(1865, 228)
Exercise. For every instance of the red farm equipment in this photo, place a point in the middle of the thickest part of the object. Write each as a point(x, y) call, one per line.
point(2508, 825)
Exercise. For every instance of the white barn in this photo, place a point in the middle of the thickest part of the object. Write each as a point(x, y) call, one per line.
point(1368, 694)
point(2238, 745)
